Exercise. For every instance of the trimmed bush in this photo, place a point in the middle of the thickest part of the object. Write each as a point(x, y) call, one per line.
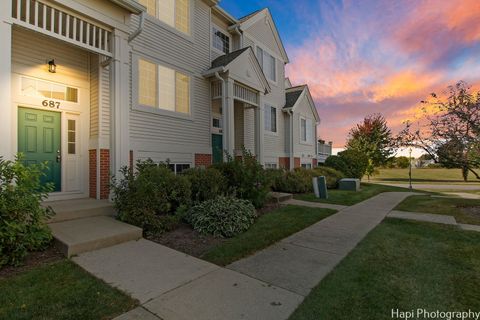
point(150, 196)
point(352, 163)
point(222, 216)
point(23, 220)
point(300, 180)
point(205, 184)
point(332, 175)
point(246, 179)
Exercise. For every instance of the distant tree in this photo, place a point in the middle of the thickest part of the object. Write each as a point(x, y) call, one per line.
point(402, 162)
point(450, 133)
point(373, 138)
point(425, 156)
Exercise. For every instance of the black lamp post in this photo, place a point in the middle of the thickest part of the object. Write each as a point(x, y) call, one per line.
point(410, 168)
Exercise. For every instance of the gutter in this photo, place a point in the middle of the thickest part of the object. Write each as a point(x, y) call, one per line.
point(139, 29)
point(236, 28)
point(224, 113)
point(292, 165)
point(214, 72)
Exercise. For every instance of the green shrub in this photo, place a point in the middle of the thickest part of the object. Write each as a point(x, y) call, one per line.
point(245, 178)
point(352, 163)
point(222, 216)
point(300, 180)
point(205, 184)
point(23, 220)
point(150, 196)
point(332, 175)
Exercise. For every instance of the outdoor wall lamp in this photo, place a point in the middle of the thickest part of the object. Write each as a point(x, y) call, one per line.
point(52, 67)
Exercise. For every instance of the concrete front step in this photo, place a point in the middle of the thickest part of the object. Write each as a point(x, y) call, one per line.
point(278, 197)
point(88, 234)
point(66, 210)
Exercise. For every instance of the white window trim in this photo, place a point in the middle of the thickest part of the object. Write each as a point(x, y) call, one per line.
point(267, 131)
point(213, 25)
point(256, 44)
point(156, 110)
point(265, 49)
point(172, 29)
point(181, 164)
point(306, 142)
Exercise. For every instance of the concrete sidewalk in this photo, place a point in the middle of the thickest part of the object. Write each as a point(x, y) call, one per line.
point(171, 285)
point(299, 262)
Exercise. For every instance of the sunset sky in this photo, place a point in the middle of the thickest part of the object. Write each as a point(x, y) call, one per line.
point(362, 57)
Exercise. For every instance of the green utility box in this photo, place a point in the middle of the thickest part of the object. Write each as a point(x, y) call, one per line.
point(321, 187)
point(349, 184)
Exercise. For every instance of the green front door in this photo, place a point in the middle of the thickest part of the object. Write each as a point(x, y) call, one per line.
point(39, 141)
point(217, 148)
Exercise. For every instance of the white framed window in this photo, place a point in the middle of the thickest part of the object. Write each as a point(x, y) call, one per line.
point(220, 40)
point(178, 168)
point(306, 130)
point(270, 118)
point(307, 165)
point(163, 88)
point(268, 63)
point(270, 165)
point(31, 87)
point(175, 13)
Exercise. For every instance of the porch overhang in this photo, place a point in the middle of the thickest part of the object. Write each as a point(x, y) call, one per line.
point(243, 67)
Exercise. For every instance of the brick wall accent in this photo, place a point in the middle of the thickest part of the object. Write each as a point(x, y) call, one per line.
point(314, 162)
point(203, 160)
point(284, 162)
point(92, 173)
point(104, 173)
point(296, 162)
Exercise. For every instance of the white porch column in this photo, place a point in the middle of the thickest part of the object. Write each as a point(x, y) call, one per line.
point(259, 129)
point(120, 105)
point(7, 150)
point(229, 131)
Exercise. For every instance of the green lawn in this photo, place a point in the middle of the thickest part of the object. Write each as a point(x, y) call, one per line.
point(349, 198)
point(268, 229)
point(446, 206)
point(423, 175)
point(400, 264)
point(60, 290)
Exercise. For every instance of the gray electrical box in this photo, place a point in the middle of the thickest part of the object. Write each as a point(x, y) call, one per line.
point(349, 184)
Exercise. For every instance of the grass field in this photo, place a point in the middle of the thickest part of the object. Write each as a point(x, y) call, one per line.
point(400, 264)
point(268, 229)
point(348, 198)
point(60, 290)
point(426, 175)
point(456, 207)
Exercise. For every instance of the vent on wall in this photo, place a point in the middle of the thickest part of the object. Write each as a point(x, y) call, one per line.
point(55, 22)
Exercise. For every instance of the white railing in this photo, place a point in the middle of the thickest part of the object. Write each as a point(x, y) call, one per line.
point(245, 94)
point(46, 19)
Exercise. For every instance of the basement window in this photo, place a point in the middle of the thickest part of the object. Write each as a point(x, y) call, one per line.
point(178, 168)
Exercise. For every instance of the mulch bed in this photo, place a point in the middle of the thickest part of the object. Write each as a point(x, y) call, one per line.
point(33, 260)
point(189, 241)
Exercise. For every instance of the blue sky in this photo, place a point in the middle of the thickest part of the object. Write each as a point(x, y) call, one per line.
point(369, 56)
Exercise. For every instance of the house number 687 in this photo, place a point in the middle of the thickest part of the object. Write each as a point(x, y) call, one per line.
point(51, 104)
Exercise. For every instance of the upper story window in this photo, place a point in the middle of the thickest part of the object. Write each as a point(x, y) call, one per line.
point(220, 40)
point(268, 64)
point(163, 88)
point(306, 130)
point(270, 118)
point(175, 13)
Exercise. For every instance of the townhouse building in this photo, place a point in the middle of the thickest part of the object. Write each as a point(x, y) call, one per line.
point(90, 86)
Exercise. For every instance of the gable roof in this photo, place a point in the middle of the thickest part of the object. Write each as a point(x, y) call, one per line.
point(250, 19)
point(295, 94)
point(291, 96)
point(224, 60)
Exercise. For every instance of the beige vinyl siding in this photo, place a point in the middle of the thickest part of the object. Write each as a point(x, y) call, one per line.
point(105, 103)
point(158, 135)
point(264, 34)
point(249, 125)
point(301, 148)
point(94, 99)
point(247, 42)
point(72, 62)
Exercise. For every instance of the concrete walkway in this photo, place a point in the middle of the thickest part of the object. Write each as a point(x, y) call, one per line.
point(268, 285)
point(439, 186)
point(434, 218)
point(314, 204)
point(299, 262)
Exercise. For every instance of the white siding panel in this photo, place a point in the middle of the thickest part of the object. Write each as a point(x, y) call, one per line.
point(94, 99)
point(249, 125)
point(105, 102)
point(302, 148)
point(263, 32)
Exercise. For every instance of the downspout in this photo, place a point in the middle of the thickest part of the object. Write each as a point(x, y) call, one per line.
point(224, 114)
point(292, 165)
point(237, 31)
point(139, 29)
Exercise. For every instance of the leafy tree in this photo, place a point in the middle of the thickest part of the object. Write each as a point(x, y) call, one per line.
point(351, 163)
point(402, 162)
point(373, 138)
point(449, 130)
